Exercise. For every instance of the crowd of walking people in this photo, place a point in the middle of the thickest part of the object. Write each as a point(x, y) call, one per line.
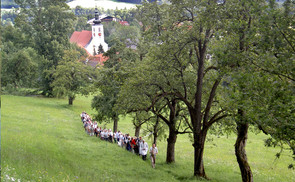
point(136, 145)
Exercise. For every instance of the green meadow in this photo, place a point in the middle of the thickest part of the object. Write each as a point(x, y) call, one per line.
point(42, 139)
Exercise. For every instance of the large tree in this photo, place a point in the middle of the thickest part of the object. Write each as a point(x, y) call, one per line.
point(276, 53)
point(109, 81)
point(47, 24)
point(20, 64)
point(232, 49)
point(257, 49)
point(72, 77)
point(139, 93)
point(20, 69)
point(190, 29)
point(174, 67)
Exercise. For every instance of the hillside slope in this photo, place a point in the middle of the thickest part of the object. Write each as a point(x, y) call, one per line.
point(43, 140)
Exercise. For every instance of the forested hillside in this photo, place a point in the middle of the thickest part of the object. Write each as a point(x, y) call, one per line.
point(8, 4)
point(11, 3)
point(134, 1)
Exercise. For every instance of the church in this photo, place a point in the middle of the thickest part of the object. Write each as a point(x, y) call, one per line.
point(92, 41)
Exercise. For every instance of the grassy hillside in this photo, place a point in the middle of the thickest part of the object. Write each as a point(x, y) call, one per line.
point(43, 140)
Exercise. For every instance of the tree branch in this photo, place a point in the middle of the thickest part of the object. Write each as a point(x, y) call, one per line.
point(183, 132)
point(217, 119)
point(273, 72)
point(162, 117)
point(216, 114)
point(210, 100)
point(285, 37)
point(210, 68)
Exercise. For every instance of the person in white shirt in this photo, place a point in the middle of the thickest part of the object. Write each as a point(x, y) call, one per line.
point(121, 140)
point(102, 134)
point(91, 130)
point(144, 148)
point(95, 124)
point(153, 152)
point(106, 135)
point(118, 136)
point(139, 142)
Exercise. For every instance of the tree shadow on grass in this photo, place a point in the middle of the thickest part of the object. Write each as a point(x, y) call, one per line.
point(54, 105)
point(173, 169)
point(190, 178)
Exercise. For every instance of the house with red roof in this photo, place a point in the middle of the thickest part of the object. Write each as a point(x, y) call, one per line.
point(93, 40)
point(125, 23)
point(96, 61)
point(82, 39)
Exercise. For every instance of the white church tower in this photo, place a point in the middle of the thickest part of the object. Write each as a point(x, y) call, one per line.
point(97, 36)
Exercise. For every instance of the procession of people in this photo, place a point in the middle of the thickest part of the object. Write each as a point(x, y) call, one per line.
point(136, 145)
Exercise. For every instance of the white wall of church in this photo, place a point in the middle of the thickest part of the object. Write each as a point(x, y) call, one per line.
point(97, 39)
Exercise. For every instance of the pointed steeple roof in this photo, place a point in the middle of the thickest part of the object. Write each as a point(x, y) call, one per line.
point(96, 20)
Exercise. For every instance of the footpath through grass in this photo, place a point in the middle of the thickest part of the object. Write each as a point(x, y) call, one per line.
point(43, 140)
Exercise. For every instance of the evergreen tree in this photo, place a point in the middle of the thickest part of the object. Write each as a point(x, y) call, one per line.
point(100, 49)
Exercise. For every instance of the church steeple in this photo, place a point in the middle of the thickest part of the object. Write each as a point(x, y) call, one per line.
point(97, 35)
point(96, 21)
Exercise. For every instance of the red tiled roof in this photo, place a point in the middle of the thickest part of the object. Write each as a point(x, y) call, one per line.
point(124, 23)
point(92, 63)
point(81, 38)
point(98, 59)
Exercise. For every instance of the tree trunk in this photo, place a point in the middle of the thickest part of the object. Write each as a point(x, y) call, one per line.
point(71, 99)
point(155, 138)
point(170, 157)
point(115, 127)
point(137, 130)
point(242, 129)
point(198, 145)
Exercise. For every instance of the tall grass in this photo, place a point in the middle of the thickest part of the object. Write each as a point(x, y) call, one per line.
point(43, 140)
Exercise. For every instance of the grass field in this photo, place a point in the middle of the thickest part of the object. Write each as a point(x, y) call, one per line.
point(43, 140)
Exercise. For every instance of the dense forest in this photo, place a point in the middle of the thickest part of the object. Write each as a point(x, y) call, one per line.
point(11, 4)
point(134, 1)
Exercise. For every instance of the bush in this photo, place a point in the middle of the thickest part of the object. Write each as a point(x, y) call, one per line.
point(10, 89)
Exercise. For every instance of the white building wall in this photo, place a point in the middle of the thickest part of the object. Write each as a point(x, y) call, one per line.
point(97, 39)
